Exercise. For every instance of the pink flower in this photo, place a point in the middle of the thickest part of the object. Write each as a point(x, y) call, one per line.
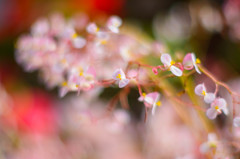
point(190, 61)
point(168, 63)
point(151, 100)
point(119, 76)
point(236, 121)
point(114, 23)
point(200, 90)
point(216, 108)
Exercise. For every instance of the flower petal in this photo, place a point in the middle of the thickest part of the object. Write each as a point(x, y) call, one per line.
point(166, 59)
point(209, 97)
point(204, 148)
point(79, 42)
point(195, 64)
point(123, 83)
point(211, 113)
point(176, 71)
point(236, 121)
point(199, 89)
point(187, 62)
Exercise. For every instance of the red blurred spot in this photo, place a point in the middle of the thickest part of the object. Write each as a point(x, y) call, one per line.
point(108, 6)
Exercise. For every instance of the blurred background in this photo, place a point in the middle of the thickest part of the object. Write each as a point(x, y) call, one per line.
point(44, 126)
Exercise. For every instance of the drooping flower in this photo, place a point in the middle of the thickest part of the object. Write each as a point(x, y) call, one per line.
point(120, 77)
point(114, 23)
point(168, 63)
point(191, 61)
point(200, 90)
point(217, 106)
point(236, 121)
point(210, 144)
point(151, 100)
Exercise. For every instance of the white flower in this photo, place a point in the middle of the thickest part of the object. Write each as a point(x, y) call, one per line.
point(78, 42)
point(236, 121)
point(210, 144)
point(168, 63)
point(151, 100)
point(92, 28)
point(217, 106)
point(114, 23)
point(201, 91)
point(119, 76)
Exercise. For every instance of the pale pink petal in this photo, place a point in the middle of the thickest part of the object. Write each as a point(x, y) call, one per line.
point(123, 83)
point(79, 42)
point(199, 89)
point(63, 91)
point(220, 102)
point(153, 95)
point(236, 121)
point(176, 71)
point(91, 71)
point(194, 63)
point(211, 113)
point(141, 98)
point(209, 97)
point(113, 29)
point(149, 100)
point(187, 62)
point(212, 137)
point(166, 59)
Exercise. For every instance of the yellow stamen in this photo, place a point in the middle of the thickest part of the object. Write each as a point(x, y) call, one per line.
point(103, 42)
point(172, 63)
point(212, 144)
point(204, 93)
point(81, 73)
point(64, 84)
point(64, 61)
point(77, 85)
point(217, 107)
point(119, 76)
point(144, 94)
point(198, 61)
point(97, 29)
point(159, 103)
point(74, 35)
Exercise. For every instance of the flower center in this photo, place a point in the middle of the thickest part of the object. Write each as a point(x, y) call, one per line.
point(64, 84)
point(119, 76)
point(217, 107)
point(198, 61)
point(81, 73)
point(204, 93)
point(172, 63)
point(159, 103)
point(74, 35)
point(144, 94)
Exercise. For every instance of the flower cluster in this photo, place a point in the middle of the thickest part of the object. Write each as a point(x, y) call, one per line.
point(218, 105)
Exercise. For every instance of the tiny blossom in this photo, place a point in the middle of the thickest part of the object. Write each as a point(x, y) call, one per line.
point(102, 38)
point(120, 76)
point(236, 121)
point(155, 71)
point(92, 28)
point(200, 90)
point(217, 106)
point(78, 42)
point(114, 23)
point(190, 61)
point(151, 100)
point(168, 63)
point(40, 27)
point(210, 144)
